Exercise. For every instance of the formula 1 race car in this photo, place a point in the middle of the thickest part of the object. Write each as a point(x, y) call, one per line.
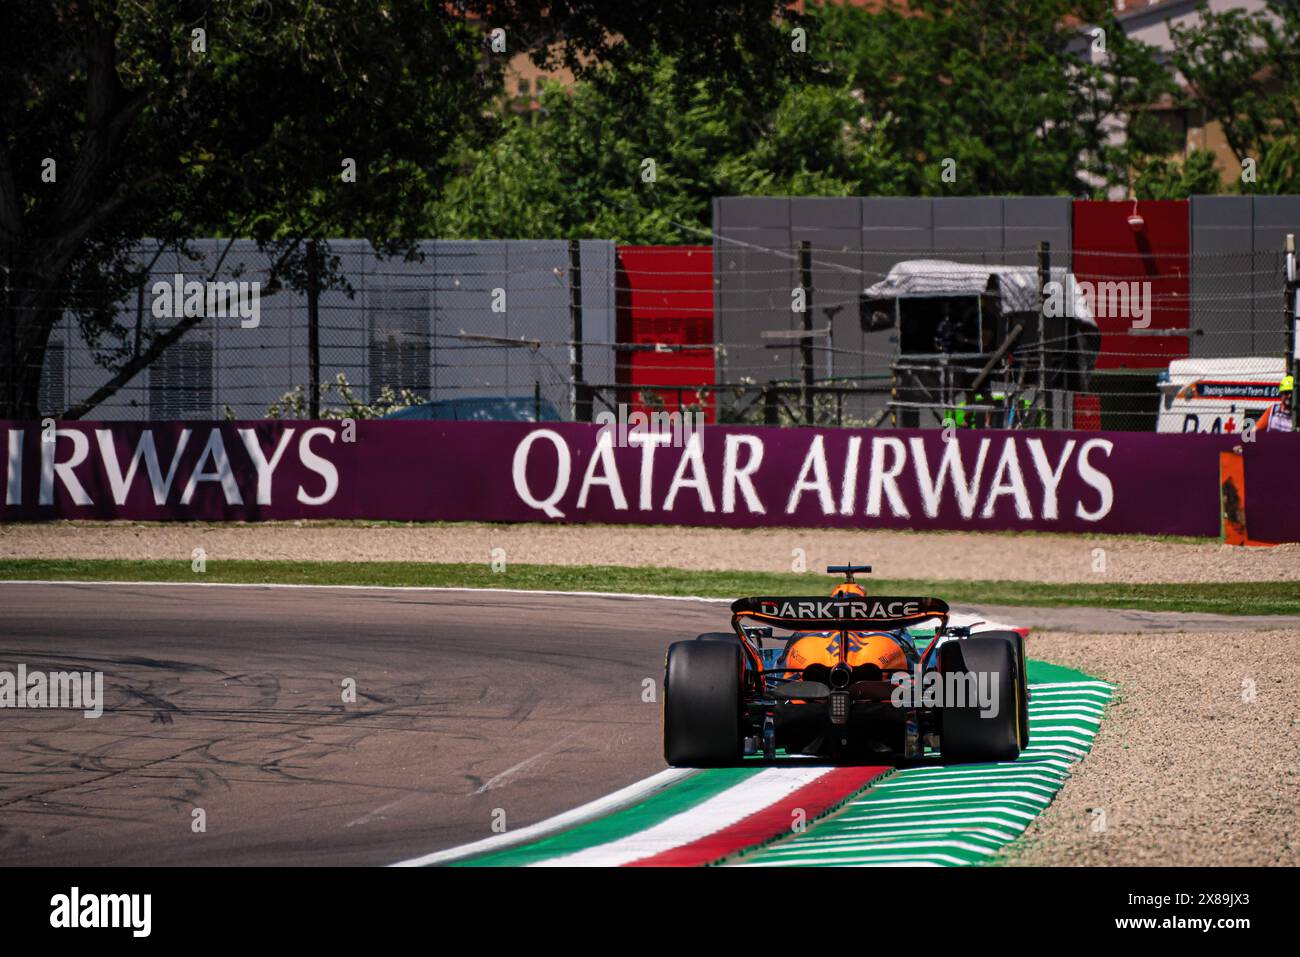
point(851, 683)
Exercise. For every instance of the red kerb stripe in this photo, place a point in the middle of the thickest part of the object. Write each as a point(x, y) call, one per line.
point(824, 794)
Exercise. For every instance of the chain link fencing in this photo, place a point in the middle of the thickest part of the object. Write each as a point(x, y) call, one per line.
point(532, 330)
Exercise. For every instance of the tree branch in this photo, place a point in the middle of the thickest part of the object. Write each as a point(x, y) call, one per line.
point(142, 360)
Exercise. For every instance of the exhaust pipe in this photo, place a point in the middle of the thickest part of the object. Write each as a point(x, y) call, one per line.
point(840, 677)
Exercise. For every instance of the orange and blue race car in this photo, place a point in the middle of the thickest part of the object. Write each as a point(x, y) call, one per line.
point(851, 681)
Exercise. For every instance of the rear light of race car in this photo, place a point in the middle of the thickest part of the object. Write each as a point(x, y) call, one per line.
point(839, 707)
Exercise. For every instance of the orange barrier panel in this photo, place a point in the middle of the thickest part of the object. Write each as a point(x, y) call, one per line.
point(1232, 497)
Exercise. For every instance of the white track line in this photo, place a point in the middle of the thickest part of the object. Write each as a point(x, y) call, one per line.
point(958, 618)
point(942, 817)
point(782, 851)
point(434, 588)
point(913, 788)
point(593, 809)
point(952, 780)
point(1004, 831)
point(899, 860)
point(866, 839)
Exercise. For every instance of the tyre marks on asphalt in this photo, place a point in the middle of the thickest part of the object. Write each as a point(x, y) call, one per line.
point(458, 690)
point(504, 777)
point(453, 690)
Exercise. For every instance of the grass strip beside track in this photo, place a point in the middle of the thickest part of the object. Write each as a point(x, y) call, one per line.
point(1244, 598)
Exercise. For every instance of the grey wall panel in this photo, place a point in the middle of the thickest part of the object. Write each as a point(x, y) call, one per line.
point(738, 213)
point(445, 291)
point(836, 284)
point(464, 276)
point(343, 339)
point(895, 225)
point(1222, 284)
point(1030, 220)
point(825, 212)
point(1274, 217)
point(469, 278)
point(252, 365)
point(1237, 262)
point(538, 284)
point(599, 319)
point(761, 301)
point(756, 269)
point(968, 228)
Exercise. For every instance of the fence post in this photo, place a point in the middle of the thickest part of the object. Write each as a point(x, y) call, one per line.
point(1291, 316)
point(313, 330)
point(1044, 277)
point(806, 343)
point(581, 396)
point(11, 360)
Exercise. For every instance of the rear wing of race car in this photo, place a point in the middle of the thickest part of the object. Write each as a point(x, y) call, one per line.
point(849, 612)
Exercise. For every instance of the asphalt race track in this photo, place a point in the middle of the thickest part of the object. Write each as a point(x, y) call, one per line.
point(230, 700)
point(469, 705)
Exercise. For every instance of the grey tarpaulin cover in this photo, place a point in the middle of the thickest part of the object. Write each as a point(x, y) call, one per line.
point(1017, 286)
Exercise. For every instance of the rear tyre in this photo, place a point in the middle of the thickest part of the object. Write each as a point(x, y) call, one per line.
point(702, 704)
point(967, 734)
point(1018, 642)
point(717, 636)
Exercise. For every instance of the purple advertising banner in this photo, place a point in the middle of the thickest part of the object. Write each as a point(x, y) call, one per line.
point(1272, 469)
point(734, 476)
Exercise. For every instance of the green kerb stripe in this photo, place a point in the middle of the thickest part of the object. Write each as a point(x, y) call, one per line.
point(926, 814)
point(653, 810)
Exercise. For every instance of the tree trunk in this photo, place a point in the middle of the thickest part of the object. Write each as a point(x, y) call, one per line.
point(29, 321)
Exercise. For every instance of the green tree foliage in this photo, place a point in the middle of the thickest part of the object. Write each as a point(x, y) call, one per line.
point(1014, 91)
point(176, 119)
point(1243, 69)
point(1172, 178)
point(637, 152)
point(179, 118)
point(1011, 92)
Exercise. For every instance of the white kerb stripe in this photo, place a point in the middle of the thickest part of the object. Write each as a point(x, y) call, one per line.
point(600, 806)
point(722, 810)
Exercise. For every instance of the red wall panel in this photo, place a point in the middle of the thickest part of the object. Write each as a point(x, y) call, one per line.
point(665, 303)
point(1108, 249)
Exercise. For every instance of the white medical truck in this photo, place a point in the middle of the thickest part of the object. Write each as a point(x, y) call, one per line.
point(1216, 395)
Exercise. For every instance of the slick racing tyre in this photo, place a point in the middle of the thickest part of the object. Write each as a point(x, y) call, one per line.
point(1018, 642)
point(702, 704)
point(717, 636)
point(967, 734)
